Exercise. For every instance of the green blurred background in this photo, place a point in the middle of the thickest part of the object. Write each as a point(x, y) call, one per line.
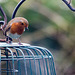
point(51, 25)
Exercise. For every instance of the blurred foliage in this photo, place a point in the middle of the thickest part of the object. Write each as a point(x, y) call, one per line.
point(51, 25)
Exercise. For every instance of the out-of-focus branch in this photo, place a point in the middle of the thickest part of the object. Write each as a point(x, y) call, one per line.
point(5, 18)
point(0, 17)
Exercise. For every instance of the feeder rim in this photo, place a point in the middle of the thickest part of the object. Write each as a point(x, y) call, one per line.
point(13, 45)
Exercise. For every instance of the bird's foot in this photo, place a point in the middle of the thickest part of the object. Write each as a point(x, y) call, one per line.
point(8, 42)
point(20, 43)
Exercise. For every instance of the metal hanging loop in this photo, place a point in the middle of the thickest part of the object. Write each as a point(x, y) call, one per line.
point(68, 4)
point(17, 7)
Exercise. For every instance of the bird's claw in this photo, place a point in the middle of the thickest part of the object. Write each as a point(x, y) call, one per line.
point(8, 42)
point(20, 43)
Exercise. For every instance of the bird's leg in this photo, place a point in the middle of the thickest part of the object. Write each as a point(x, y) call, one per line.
point(19, 42)
point(8, 39)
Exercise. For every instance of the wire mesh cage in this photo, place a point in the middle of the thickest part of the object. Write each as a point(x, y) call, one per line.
point(25, 60)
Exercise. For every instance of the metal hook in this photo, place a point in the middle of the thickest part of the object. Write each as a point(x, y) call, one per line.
point(18, 5)
point(68, 4)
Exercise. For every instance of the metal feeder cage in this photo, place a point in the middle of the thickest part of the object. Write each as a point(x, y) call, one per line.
point(25, 60)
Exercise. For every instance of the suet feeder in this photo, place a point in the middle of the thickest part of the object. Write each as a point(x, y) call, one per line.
point(25, 60)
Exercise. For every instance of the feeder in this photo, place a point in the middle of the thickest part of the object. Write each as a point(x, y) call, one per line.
point(25, 60)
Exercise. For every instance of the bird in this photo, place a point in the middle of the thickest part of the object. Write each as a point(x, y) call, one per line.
point(15, 28)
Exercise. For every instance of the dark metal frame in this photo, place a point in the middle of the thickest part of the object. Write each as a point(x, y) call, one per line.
point(17, 7)
point(68, 4)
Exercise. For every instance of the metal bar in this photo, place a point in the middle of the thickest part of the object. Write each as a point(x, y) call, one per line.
point(70, 7)
point(52, 67)
point(12, 60)
point(33, 59)
point(19, 66)
point(38, 60)
point(17, 7)
point(8, 70)
point(26, 57)
point(23, 58)
point(50, 62)
point(0, 61)
point(45, 53)
point(6, 51)
point(10, 66)
point(29, 63)
point(32, 56)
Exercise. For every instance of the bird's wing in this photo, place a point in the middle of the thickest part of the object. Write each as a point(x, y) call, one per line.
point(9, 25)
point(17, 19)
point(7, 28)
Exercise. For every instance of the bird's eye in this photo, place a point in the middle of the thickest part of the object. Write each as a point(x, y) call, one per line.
point(22, 23)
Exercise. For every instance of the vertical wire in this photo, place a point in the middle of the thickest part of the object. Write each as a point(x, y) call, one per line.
point(0, 61)
point(19, 67)
point(33, 58)
point(6, 51)
point(52, 67)
point(43, 51)
point(38, 59)
point(23, 58)
point(29, 63)
point(12, 60)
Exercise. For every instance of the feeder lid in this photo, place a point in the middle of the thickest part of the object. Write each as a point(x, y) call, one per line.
point(13, 45)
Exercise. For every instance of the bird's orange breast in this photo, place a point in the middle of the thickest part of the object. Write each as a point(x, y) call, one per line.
point(17, 28)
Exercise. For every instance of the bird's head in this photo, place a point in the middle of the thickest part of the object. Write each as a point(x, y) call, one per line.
point(18, 25)
point(24, 23)
point(19, 22)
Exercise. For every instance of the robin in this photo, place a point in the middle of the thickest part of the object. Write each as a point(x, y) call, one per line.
point(15, 28)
